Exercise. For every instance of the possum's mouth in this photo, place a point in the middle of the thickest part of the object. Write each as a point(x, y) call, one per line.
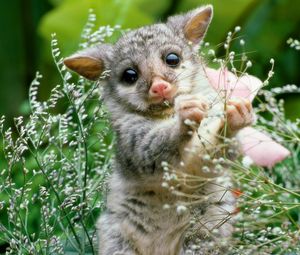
point(164, 106)
point(162, 109)
point(162, 103)
point(165, 103)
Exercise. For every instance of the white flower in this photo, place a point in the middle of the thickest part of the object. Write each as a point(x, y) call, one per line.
point(205, 169)
point(166, 206)
point(247, 161)
point(237, 29)
point(181, 209)
point(206, 157)
point(277, 231)
point(270, 74)
point(211, 52)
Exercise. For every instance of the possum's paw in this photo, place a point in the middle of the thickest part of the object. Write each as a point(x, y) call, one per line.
point(191, 110)
point(239, 114)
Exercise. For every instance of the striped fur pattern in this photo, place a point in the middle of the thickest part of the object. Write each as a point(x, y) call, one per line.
point(147, 134)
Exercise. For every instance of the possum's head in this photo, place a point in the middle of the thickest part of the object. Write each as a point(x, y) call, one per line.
point(149, 66)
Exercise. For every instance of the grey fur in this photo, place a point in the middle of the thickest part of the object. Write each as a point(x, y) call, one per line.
point(147, 135)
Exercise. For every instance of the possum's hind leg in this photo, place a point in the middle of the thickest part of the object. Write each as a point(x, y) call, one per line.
point(111, 242)
point(213, 223)
point(218, 215)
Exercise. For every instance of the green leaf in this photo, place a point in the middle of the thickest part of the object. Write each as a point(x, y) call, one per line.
point(155, 8)
point(68, 19)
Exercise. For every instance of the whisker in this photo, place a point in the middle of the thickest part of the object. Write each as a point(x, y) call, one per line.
point(190, 75)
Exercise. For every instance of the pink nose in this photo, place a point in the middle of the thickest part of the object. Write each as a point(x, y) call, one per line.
point(160, 88)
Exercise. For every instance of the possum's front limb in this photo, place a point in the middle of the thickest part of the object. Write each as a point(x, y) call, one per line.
point(154, 141)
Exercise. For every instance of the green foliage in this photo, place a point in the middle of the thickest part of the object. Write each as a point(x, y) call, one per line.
point(55, 167)
point(68, 18)
point(269, 203)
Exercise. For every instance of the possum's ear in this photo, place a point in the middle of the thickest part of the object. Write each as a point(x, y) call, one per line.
point(91, 62)
point(193, 24)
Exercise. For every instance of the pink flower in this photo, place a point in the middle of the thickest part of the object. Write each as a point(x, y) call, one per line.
point(260, 147)
point(245, 86)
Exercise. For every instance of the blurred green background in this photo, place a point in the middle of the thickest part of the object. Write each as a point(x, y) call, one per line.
point(27, 27)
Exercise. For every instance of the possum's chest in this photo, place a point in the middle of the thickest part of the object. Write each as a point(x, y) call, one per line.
point(206, 141)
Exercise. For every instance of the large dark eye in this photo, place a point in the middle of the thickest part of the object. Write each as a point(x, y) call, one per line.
point(130, 76)
point(172, 60)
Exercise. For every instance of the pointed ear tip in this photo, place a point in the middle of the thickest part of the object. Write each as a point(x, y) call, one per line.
point(205, 11)
point(209, 9)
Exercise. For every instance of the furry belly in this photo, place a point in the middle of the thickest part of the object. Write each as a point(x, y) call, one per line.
point(142, 222)
point(166, 239)
point(146, 228)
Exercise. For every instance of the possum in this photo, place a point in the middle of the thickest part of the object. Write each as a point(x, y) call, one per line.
point(163, 111)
